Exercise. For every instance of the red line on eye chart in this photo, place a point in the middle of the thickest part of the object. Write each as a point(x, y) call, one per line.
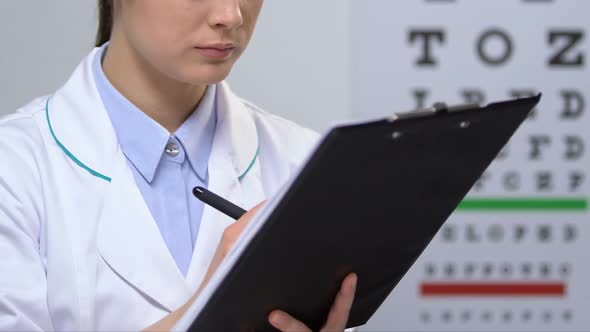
point(525, 289)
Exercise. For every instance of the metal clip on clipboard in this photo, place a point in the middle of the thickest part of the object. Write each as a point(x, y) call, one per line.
point(437, 108)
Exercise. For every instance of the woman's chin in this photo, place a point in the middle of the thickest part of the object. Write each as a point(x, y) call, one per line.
point(206, 74)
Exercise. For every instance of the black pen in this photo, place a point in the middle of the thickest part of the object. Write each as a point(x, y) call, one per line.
point(219, 203)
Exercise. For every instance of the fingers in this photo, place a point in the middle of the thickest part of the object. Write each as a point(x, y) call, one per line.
point(285, 323)
point(250, 214)
point(338, 316)
point(228, 239)
point(232, 233)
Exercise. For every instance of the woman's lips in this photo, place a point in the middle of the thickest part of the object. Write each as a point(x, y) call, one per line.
point(216, 51)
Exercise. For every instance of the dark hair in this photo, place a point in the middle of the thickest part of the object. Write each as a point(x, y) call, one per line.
point(105, 21)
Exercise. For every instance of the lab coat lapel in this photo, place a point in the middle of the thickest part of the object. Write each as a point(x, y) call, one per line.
point(130, 242)
point(128, 238)
point(213, 223)
point(234, 173)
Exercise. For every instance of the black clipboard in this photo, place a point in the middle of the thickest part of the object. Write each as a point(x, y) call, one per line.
point(369, 200)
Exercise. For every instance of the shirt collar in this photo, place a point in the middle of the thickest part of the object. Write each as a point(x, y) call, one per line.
point(143, 140)
point(197, 132)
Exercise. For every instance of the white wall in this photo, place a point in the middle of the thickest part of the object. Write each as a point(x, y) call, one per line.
point(297, 65)
point(41, 43)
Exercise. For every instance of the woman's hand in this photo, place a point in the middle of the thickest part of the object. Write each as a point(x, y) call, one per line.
point(230, 236)
point(337, 318)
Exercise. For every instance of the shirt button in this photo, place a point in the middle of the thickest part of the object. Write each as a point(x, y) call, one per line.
point(172, 149)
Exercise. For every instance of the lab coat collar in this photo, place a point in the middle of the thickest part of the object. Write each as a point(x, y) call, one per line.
point(128, 238)
point(236, 125)
point(80, 124)
point(83, 129)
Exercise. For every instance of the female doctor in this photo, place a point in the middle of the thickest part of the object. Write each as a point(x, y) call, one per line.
point(98, 227)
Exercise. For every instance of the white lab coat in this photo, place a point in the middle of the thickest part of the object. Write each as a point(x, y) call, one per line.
point(79, 248)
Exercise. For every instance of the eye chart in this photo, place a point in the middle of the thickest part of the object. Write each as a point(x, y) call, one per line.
point(516, 255)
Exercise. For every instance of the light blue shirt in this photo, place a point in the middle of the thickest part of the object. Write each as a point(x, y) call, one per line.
point(166, 167)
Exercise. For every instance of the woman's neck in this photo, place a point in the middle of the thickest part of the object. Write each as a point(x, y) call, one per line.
point(167, 101)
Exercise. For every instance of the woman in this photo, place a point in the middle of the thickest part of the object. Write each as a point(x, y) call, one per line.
point(98, 229)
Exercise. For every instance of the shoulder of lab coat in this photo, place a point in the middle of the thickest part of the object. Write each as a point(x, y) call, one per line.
point(23, 302)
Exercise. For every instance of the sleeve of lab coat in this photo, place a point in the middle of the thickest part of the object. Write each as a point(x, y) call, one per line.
point(23, 282)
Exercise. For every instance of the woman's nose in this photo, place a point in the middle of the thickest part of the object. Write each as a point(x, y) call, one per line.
point(226, 14)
